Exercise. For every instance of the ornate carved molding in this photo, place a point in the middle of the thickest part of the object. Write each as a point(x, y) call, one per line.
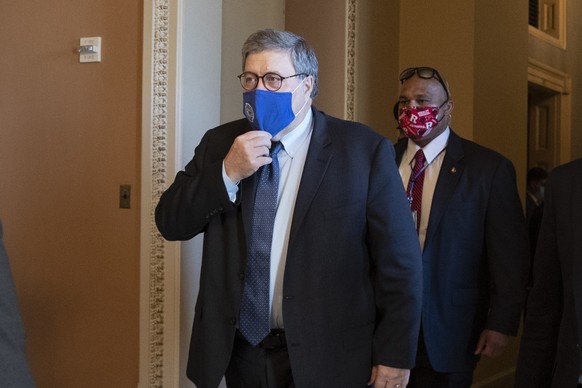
point(351, 60)
point(159, 157)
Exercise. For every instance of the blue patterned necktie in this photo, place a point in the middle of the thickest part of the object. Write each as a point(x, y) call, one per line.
point(255, 312)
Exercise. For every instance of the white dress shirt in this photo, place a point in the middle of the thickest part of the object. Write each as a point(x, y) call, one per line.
point(291, 161)
point(434, 152)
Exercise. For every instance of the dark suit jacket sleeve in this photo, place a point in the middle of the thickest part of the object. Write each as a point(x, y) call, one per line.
point(198, 193)
point(14, 371)
point(394, 246)
point(544, 308)
point(507, 251)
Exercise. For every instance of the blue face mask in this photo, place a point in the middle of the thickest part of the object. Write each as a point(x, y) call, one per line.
point(269, 111)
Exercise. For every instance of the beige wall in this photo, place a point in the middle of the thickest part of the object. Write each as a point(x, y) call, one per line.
point(69, 137)
point(322, 24)
point(377, 36)
point(500, 100)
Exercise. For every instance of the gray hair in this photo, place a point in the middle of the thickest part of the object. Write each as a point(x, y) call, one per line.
point(302, 54)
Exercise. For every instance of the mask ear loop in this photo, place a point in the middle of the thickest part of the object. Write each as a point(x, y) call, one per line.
point(306, 100)
point(442, 110)
point(298, 85)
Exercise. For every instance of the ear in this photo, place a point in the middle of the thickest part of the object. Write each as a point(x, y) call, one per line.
point(449, 108)
point(308, 85)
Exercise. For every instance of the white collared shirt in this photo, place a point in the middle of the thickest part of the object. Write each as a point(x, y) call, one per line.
point(434, 152)
point(291, 162)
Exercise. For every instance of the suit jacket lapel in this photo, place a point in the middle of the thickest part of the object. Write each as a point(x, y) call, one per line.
point(247, 197)
point(451, 171)
point(316, 164)
point(400, 148)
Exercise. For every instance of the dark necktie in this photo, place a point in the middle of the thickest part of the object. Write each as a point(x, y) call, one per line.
point(414, 190)
point(255, 313)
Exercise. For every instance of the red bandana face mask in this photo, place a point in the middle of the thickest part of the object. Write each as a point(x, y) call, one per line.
point(418, 122)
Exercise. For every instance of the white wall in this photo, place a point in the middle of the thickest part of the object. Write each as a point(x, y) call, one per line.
point(200, 110)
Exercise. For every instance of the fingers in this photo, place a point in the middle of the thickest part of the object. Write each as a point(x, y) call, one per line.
point(491, 343)
point(373, 376)
point(481, 344)
point(247, 154)
point(388, 377)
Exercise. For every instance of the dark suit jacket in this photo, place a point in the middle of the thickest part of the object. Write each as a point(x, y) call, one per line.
point(549, 354)
point(352, 283)
point(14, 371)
point(475, 257)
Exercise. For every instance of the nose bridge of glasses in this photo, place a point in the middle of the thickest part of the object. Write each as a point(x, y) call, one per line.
point(260, 83)
point(252, 81)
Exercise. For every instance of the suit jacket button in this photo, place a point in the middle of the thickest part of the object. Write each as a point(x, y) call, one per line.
point(241, 276)
point(233, 321)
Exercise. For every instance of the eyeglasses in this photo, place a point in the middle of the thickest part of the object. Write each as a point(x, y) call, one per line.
point(424, 73)
point(272, 81)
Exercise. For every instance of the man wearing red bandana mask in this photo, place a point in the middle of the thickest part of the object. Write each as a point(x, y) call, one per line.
point(472, 231)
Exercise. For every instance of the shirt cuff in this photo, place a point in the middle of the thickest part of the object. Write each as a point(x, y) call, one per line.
point(231, 187)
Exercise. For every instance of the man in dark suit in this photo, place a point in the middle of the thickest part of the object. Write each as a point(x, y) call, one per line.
point(549, 354)
point(472, 231)
point(534, 203)
point(536, 182)
point(345, 263)
point(14, 371)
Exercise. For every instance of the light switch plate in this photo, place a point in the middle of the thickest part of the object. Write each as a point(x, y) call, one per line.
point(90, 50)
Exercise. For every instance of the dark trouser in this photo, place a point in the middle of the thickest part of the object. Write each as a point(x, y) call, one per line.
point(264, 366)
point(424, 376)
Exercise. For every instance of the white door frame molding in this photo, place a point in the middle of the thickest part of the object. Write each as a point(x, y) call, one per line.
point(159, 259)
point(543, 75)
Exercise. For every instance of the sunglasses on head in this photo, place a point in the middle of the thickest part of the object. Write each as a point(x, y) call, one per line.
point(424, 73)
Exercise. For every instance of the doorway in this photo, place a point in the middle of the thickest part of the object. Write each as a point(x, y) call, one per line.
point(543, 127)
point(549, 111)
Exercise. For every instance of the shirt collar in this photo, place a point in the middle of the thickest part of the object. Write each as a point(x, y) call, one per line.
point(293, 140)
point(431, 150)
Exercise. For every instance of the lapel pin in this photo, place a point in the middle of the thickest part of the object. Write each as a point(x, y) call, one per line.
point(453, 170)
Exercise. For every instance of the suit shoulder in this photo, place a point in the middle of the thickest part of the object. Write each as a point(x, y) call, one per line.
point(224, 134)
point(478, 151)
point(570, 168)
point(350, 129)
point(563, 174)
point(235, 128)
